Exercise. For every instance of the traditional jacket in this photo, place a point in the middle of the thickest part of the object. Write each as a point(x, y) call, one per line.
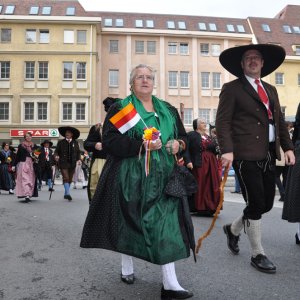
point(69, 153)
point(242, 121)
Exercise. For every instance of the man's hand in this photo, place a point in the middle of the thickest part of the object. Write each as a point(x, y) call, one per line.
point(227, 159)
point(190, 166)
point(289, 158)
point(98, 146)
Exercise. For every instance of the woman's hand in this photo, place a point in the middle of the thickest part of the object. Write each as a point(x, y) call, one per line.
point(172, 147)
point(153, 145)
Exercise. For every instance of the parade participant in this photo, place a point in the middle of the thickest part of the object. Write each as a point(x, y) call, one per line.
point(7, 157)
point(67, 154)
point(130, 212)
point(202, 159)
point(93, 144)
point(46, 162)
point(250, 130)
point(26, 164)
point(291, 206)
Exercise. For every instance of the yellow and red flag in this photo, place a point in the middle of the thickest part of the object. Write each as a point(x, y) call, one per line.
point(126, 118)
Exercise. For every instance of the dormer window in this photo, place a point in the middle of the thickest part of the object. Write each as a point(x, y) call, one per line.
point(70, 11)
point(9, 9)
point(139, 23)
point(46, 10)
point(181, 25)
point(171, 24)
point(265, 27)
point(34, 10)
point(212, 27)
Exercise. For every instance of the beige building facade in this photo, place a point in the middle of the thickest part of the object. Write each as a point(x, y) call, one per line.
point(59, 62)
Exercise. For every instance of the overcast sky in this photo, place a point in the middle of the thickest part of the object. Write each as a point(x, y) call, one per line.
point(215, 8)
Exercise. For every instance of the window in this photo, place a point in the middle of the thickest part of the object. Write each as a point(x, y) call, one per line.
point(205, 80)
point(81, 70)
point(1, 8)
point(240, 28)
point(44, 36)
point(139, 23)
point(70, 11)
point(287, 29)
point(172, 48)
point(9, 9)
point(29, 70)
point(46, 10)
point(68, 70)
point(212, 27)
point(119, 22)
point(296, 49)
point(184, 79)
point(108, 22)
point(216, 80)
point(28, 111)
point(4, 111)
point(188, 116)
point(172, 79)
point(181, 25)
point(81, 36)
point(42, 111)
point(230, 28)
point(5, 35)
point(80, 111)
point(184, 48)
point(113, 78)
point(204, 113)
point(34, 10)
point(204, 49)
point(279, 78)
point(215, 49)
point(69, 36)
point(299, 79)
point(139, 46)
point(266, 27)
point(113, 46)
point(170, 24)
point(43, 70)
point(149, 23)
point(30, 36)
point(151, 47)
point(202, 26)
point(5, 69)
point(67, 111)
point(296, 29)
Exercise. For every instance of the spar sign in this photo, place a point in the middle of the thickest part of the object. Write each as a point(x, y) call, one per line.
point(35, 132)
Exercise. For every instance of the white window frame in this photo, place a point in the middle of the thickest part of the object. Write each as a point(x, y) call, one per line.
point(184, 79)
point(279, 78)
point(69, 66)
point(74, 103)
point(188, 116)
point(30, 36)
point(216, 80)
point(204, 113)
point(69, 36)
point(32, 70)
point(204, 49)
point(215, 49)
point(172, 48)
point(3, 110)
point(113, 78)
point(184, 48)
point(114, 46)
point(172, 79)
point(205, 80)
point(81, 37)
point(35, 102)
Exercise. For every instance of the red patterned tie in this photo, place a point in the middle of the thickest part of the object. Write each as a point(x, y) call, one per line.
point(263, 97)
point(47, 153)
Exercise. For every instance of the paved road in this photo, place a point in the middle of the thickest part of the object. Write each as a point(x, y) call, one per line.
point(40, 257)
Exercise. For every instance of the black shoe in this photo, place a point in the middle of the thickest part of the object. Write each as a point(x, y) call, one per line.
point(51, 190)
point(169, 294)
point(232, 240)
point(27, 199)
point(68, 197)
point(129, 279)
point(263, 264)
point(84, 187)
point(297, 239)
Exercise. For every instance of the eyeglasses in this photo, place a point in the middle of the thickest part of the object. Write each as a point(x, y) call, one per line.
point(144, 77)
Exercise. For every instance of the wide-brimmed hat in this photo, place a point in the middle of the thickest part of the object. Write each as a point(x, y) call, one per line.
point(45, 142)
point(273, 56)
point(75, 131)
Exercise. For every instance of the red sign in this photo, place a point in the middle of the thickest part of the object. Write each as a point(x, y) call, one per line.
point(34, 132)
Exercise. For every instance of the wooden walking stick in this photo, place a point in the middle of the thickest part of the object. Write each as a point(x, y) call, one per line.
point(207, 233)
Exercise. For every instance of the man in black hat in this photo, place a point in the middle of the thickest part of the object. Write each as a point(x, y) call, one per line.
point(46, 161)
point(251, 129)
point(67, 154)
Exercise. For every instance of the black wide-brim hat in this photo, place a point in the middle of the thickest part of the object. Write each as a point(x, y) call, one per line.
point(75, 131)
point(273, 56)
point(45, 142)
point(108, 102)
